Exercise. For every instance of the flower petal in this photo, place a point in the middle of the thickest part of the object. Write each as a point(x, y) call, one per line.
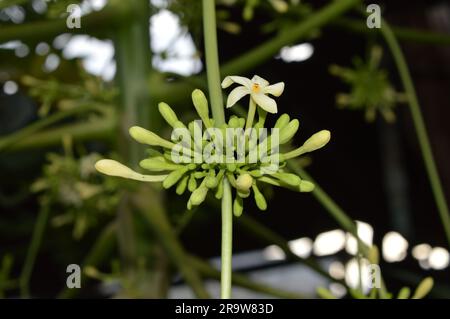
point(274, 89)
point(236, 79)
point(237, 94)
point(266, 103)
point(262, 82)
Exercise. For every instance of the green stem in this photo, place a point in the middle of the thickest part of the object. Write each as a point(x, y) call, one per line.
point(402, 33)
point(35, 244)
point(227, 240)
point(240, 280)
point(33, 128)
point(419, 125)
point(251, 114)
point(212, 61)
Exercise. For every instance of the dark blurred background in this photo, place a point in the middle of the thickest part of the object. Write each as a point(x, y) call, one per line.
point(374, 171)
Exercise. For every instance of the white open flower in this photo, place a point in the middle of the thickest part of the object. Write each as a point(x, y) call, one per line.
point(257, 87)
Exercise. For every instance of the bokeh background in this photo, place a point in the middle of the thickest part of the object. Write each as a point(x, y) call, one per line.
point(374, 171)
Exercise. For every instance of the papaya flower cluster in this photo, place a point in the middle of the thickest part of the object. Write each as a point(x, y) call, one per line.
point(199, 156)
point(371, 90)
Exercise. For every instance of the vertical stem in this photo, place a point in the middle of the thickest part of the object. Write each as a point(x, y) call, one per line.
point(227, 241)
point(35, 244)
point(215, 96)
point(212, 61)
point(419, 125)
point(251, 114)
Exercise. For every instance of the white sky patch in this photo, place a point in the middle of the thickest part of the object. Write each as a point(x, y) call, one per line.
point(329, 242)
point(168, 36)
point(42, 49)
point(10, 87)
point(302, 247)
point(296, 53)
point(15, 13)
point(40, 6)
point(421, 252)
point(273, 253)
point(394, 247)
point(97, 55)
point(365, 233)
point(51, 63)
point(439, 258)
point(352, 275)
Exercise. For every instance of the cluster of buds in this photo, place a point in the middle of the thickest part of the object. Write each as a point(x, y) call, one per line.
point(371, 89)
point(197, 158)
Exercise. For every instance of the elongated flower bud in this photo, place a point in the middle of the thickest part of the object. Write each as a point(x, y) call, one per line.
point(287, 132)
point(290, 179)
point(201, 105)
point(114, 168)
point(181, 187)
point(244, 182)
point(306, 186)
point(157, 165)
point(167, 113)
point(211, 180)
point(282, 121)
point(317, 141)
point(144, 136)
point(192, 184)
point(198, 196)
point(238, 206)
point(404, 293)
point(259, 198)
point(424, 288)
point(174, 177)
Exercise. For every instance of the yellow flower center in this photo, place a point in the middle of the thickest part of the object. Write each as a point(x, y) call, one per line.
point(256, 88)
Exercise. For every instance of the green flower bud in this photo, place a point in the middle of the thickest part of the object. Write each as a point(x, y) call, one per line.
point(179, 124)
point(181, 187)
point(317, 141)
point(238, 206)
point(259, 198)
point(233, 122)
point(198, 196)
point(167, 113)
point(211, 181)
point(287, 132)
point(114, 168)
point(244, 182)
point(424, 288)
point(306, 186)
point(219, 192)
point(282, 121)
point(290, 179)
point(144, 136)
point(243, 194)
point(231, 167)
point(189, 204)
point(404, 293)
point(158, 164)
point(174, 177)
point(256, 173)
point(201, 105)
point(192, 184)
point(241, 122)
